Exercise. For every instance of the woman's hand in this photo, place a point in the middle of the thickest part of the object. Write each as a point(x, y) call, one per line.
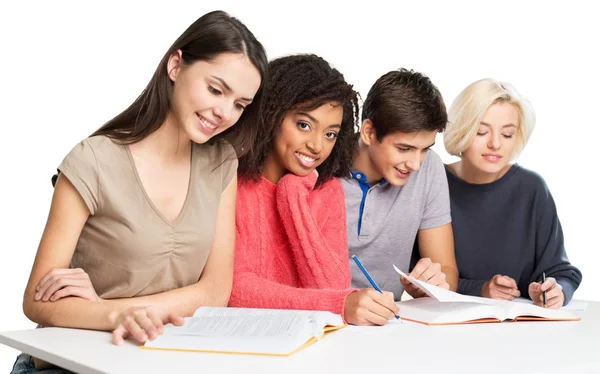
point(59, 283)
point(142, 324)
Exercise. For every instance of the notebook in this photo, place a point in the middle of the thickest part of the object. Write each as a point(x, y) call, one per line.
point(445, 307)
point(574, 305)
point(247, 331)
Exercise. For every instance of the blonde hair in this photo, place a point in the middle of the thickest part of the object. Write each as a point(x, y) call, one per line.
point(469, 107)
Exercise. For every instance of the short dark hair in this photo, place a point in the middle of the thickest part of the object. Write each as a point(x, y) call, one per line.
point(303, 82)
point(404, 101)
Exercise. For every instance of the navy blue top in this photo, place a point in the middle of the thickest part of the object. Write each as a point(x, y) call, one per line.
point(508, 227)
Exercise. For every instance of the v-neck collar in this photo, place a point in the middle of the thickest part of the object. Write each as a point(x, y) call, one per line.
point(149, 200)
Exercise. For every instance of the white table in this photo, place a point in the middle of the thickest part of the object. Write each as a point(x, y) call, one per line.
point(544, 347)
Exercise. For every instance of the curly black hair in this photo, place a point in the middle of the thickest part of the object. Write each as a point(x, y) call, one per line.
point(303, 82)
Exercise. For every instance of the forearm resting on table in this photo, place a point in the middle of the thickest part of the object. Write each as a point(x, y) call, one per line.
point(183, 301)
point(75, 312)
point(72, 312)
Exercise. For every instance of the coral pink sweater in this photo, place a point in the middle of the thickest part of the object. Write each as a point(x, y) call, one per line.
point(291, 245)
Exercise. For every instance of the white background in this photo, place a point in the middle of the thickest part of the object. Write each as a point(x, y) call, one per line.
point(67, 67)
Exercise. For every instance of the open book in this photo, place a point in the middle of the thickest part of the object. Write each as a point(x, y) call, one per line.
point(447, 307)
point(249, 331)
point(574, 305)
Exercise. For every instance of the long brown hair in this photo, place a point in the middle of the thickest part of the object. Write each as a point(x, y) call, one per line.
point(210, 35)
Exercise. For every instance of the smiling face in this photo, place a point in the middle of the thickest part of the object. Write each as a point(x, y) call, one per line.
point(210, 96)
point(304, 141)
point(396, 156)
point(496, 140)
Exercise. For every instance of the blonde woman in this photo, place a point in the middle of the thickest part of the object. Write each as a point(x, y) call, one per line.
point(506, 228)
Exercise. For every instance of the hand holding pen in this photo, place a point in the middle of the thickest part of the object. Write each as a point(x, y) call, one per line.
point(370, 306)
point(544, 291)
point(547, 293)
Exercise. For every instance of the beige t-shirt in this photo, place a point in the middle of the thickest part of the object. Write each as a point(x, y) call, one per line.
point(127, 246)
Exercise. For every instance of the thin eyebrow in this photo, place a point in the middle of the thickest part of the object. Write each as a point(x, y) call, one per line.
point(412, 146)
point(228, 88)
point(507, 125)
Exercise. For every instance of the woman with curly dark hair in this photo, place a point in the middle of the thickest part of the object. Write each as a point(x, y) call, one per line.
point(291, 244)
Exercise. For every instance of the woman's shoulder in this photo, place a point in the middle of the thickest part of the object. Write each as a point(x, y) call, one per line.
point(216, 160)
point(92, 151)
point(528, 178)
point(100, 144)
point(217, 151)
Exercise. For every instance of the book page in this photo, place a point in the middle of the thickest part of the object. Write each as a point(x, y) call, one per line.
point(323, 318)
point(574, 305)
point(245, 330)
point(430, 311)
point(520, 307)
point(240, 327)
point(529, 310)
point(278, 334)
point(441, 294)
point(501, 309)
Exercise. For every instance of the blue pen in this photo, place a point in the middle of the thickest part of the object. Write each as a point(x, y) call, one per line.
point(366, 273)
